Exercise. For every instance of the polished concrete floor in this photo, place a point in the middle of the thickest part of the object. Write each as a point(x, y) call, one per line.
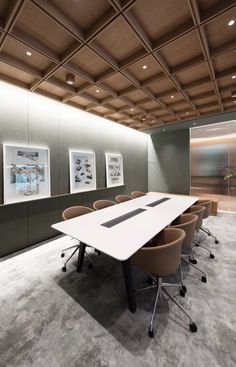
point(52, 319)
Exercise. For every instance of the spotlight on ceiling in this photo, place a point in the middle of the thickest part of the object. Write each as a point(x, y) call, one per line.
point(172, 97)
point(233, 93)
point(144, 67)
point(231, 22)
point(28, 53)
point(97, 90)
point(70, 79)
point(233, 76)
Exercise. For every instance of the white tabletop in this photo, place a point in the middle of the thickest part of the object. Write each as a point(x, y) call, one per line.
point(122, 240)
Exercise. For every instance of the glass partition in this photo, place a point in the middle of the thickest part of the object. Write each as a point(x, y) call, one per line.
point(213, 163)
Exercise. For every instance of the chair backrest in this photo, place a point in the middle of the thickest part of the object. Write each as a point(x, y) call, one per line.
point(199, 211)
point(207, 204)
point(123, 198)
point(75, 211)
point(137, 194)
point(186, 222)
point(163, 257)
point(100, 204)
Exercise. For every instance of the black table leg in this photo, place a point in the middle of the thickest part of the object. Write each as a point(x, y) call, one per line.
point(129, 285)
point(81, 256)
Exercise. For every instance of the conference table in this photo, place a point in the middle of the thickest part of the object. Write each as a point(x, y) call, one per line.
point(121, 230)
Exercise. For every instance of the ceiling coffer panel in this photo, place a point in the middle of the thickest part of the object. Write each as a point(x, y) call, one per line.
point(133, 62)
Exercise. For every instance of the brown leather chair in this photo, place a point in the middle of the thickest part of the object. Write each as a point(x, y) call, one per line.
point(161, 258)
point(199, 211)
point(123, 198)
point(187, 222)
point(69, 213)
point(137, 194)
point(207, 204)
point(101, 204)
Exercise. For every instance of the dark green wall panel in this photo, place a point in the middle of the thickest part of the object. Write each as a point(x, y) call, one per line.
point(168, 162)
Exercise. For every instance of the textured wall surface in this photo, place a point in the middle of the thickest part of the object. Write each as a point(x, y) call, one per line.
point(168, 162)
point(30, 119)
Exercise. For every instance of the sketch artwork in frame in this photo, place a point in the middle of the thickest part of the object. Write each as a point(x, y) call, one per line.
point(26, 172)
point(114, 170)
point(82, 171)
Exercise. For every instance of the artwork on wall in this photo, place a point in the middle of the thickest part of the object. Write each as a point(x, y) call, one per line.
point(114, 170)
point(26, 173)
point(82, 171)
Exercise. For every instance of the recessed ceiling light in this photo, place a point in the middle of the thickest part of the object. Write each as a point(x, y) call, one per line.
point(97, 90)
point(28, 53)
point(163, 129)
point(231, 22)
point(144, 67)
point(187, 113)
point(70, 79)
point(234, 76)
point(172, 97)
point(153, 121)
point(131, 109)
point(235, 101)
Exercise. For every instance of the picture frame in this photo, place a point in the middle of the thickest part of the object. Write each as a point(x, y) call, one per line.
point(82, 171)
point(26, 173)
point(114, 170)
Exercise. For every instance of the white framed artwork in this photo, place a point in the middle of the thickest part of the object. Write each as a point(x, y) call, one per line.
point(114, 169)
point(26, 172)
point(82, 171)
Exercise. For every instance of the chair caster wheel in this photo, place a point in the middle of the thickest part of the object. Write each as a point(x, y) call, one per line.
point(150, 333)
point(90, 266)
point(63, 268)
point(182, 293)
point(184, 288)
point(216, 241)
point(98, 252)
point(62, 254)
point(196, 244)
point(193, 261)
point(203, 279)
point(212, 256)
point(193, 327)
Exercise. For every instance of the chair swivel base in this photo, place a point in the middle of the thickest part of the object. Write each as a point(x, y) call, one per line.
point(160, 286)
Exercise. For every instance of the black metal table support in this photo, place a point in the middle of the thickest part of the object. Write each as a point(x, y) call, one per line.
point(81, 253)
point(129, 285)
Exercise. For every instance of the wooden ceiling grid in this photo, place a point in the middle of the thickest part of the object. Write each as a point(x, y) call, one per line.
point(186, 45)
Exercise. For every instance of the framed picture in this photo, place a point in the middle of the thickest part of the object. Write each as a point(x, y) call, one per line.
point(26, 172)
point(114, 170)
point(82, 171)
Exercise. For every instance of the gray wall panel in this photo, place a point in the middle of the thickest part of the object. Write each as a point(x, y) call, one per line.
point(168, 162)
point(41, 215)
point(44, 132)
point(30, 119)
point(13, 228)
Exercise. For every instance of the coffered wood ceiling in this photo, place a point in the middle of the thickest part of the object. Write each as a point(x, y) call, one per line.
point(187, 46)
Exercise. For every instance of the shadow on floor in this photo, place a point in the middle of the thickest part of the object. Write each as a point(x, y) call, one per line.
point(101, 292)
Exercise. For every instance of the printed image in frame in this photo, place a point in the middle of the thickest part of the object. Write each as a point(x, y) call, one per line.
point(26, 171)
point(82, 171)
point(114, 170)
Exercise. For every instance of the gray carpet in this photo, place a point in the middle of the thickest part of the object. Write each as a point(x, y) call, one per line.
point(51, 319)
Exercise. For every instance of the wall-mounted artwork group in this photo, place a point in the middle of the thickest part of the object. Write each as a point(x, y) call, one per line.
point(26, 172)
